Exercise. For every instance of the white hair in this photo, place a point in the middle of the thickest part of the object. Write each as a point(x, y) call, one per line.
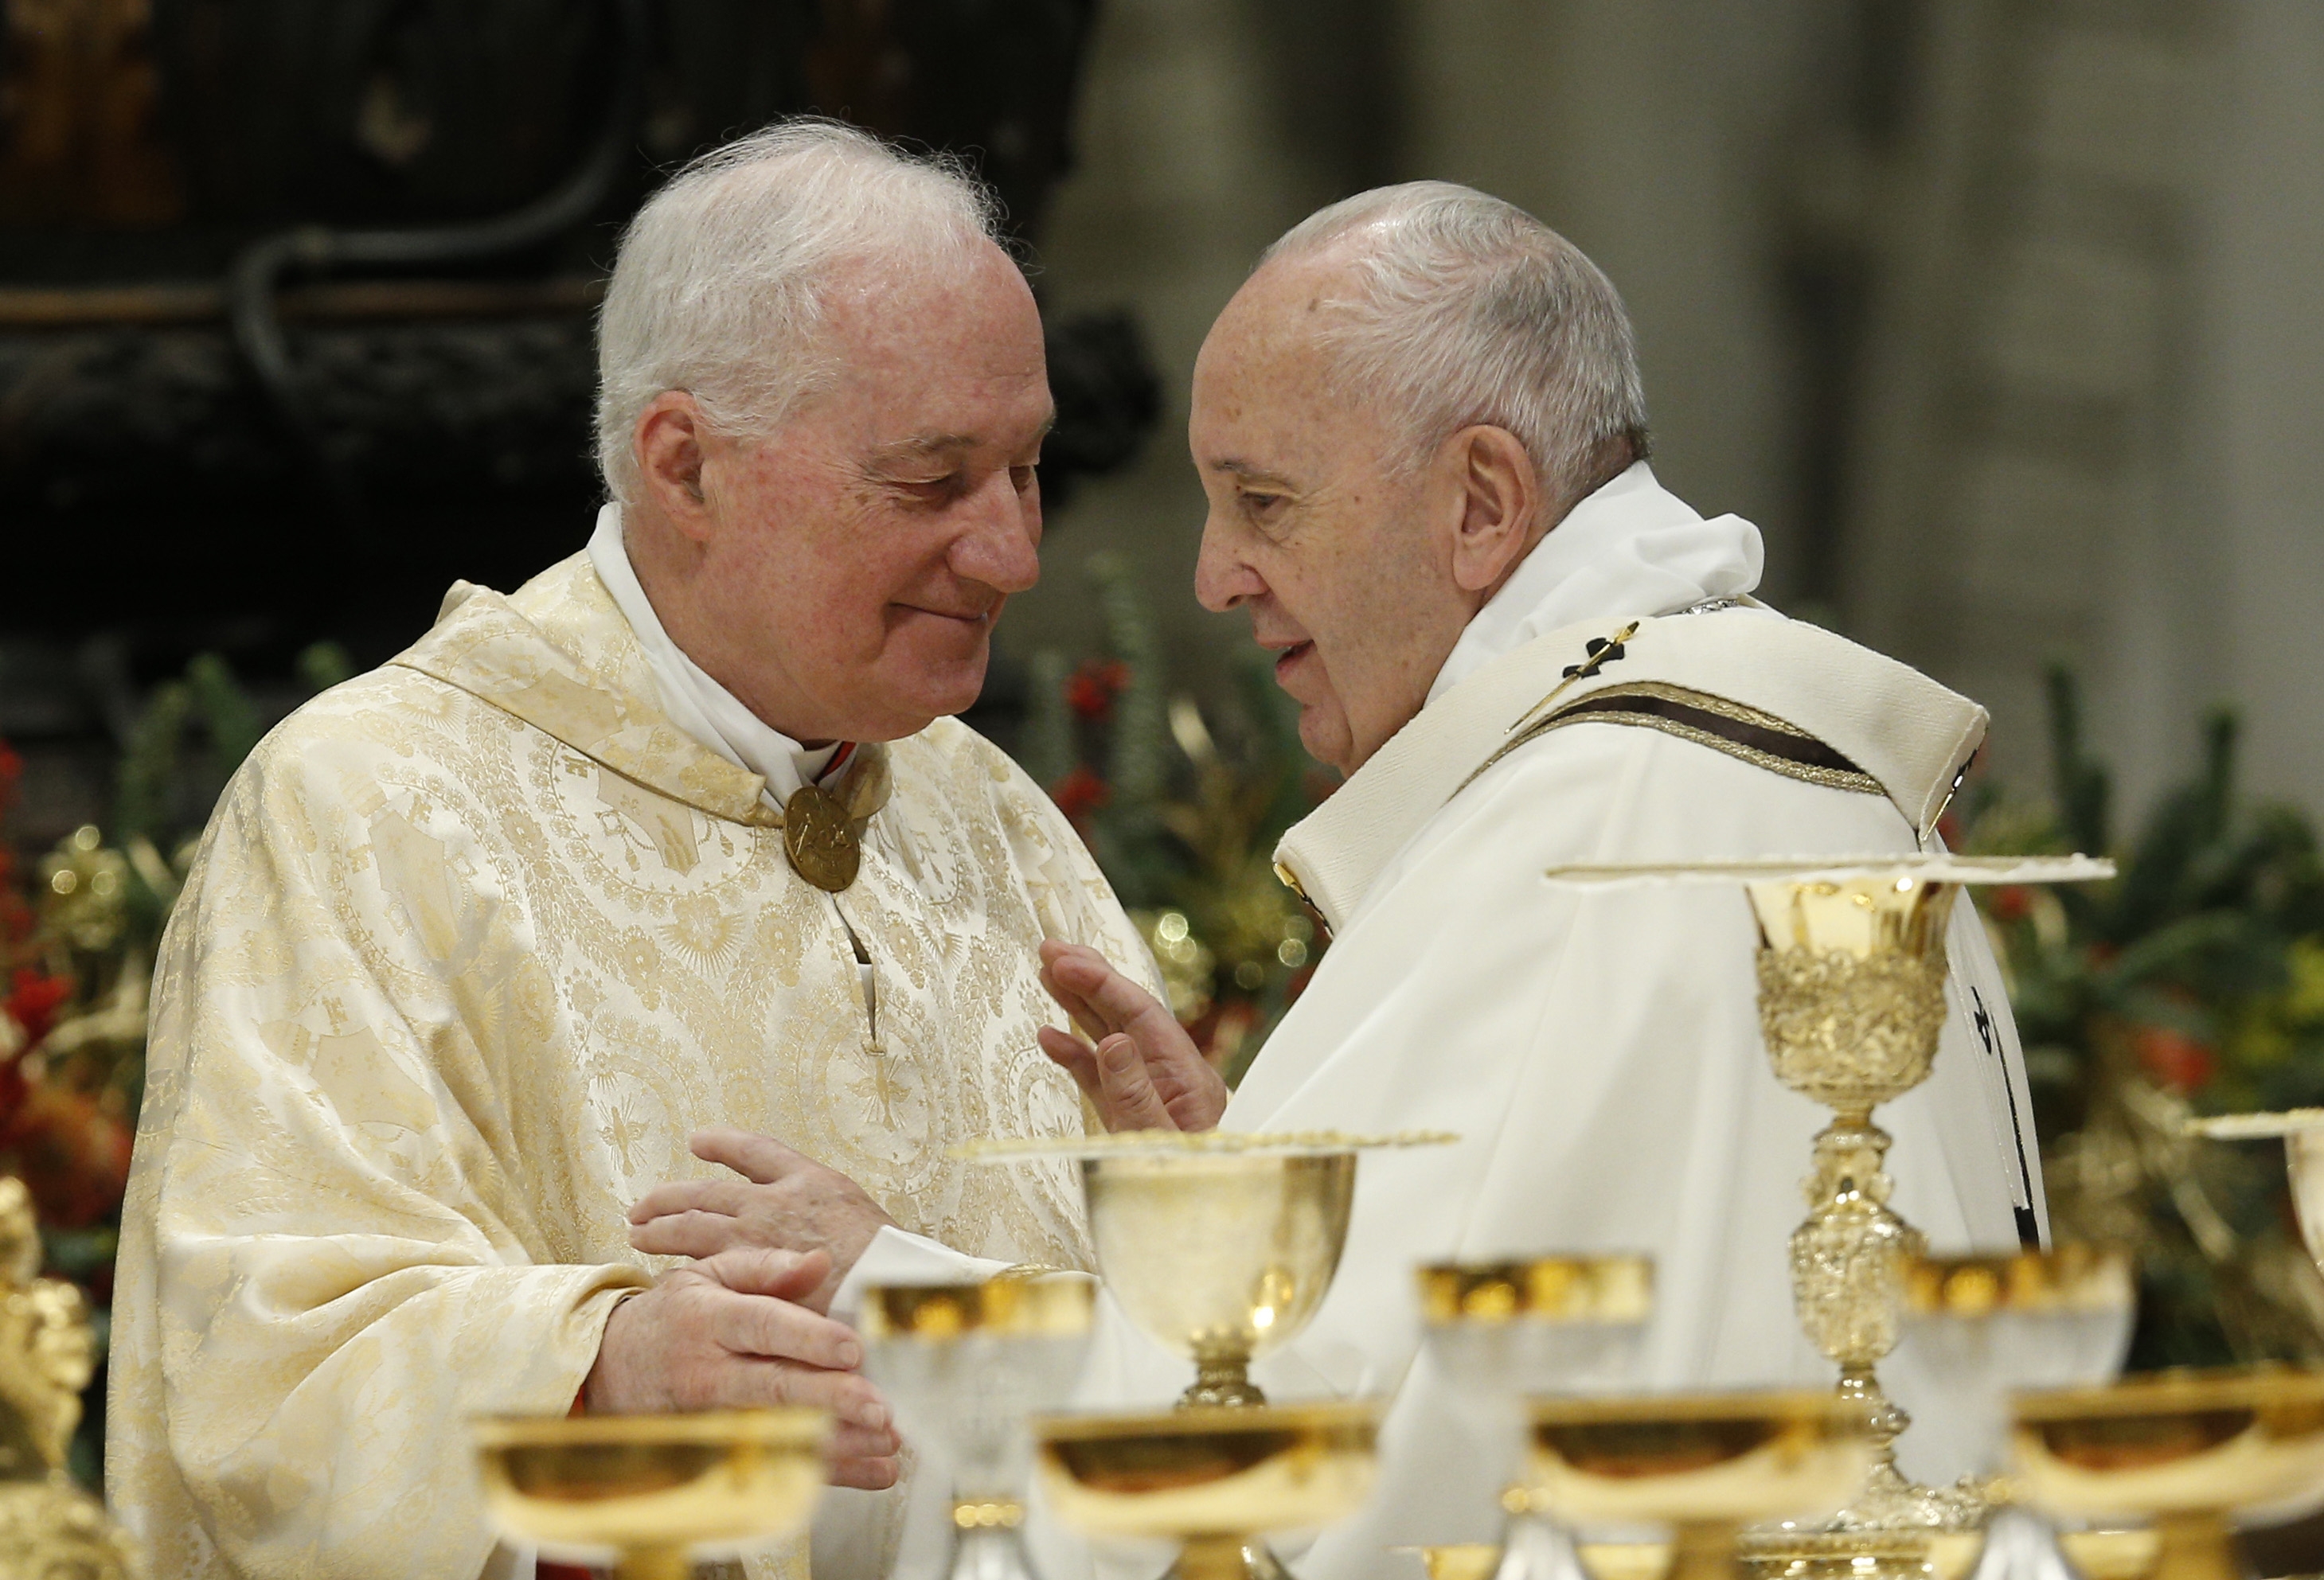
point(719, 283)
point(1468, 310)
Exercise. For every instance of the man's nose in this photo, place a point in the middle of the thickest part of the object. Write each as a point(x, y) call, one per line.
point(998, 548)
point(1222, 579)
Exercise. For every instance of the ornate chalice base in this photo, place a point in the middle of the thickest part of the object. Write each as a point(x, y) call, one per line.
point(2184, 1451)
point(1213, 1479)
point(652, 1488)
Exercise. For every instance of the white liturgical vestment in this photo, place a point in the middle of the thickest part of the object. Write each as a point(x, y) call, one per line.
point(1599, 1053)
point(472, 943)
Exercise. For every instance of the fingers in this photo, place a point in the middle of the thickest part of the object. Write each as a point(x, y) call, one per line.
point(872, 1476)
point(726, 1196)
point(1130, 1101)
point(688, 1233)
point(1076, 1007)
point(849, 1441)
point(1119, 1003)
point(1073, 1056)
point(783, 1275)
point(781, 1330)
point(760, 1159)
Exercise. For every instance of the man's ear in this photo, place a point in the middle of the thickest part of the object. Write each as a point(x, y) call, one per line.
point(1496, 495)
point(669, 436)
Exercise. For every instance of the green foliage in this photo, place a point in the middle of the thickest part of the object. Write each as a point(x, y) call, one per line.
point(2193, 983)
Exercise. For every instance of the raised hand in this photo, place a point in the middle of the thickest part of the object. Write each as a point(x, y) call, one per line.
point(784, 1201)
point(1144, 1072)
point(728, 1332)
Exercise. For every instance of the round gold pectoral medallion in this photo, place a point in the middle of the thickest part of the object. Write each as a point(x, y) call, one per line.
point(823, 844)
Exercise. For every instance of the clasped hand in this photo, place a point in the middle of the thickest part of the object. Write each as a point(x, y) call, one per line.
point(745, 1322)
point(1138, 1067)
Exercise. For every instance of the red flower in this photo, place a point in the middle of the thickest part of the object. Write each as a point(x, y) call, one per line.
point(71, 1154)
point(2175, 1060)
point(1079, 794)
point(35, 1000)
point(1090, 690)
point(2012, 902)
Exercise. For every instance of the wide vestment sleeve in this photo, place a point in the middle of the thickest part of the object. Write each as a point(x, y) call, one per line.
point(327, 1262)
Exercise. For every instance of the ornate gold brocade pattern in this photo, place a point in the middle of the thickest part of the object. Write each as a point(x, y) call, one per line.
point(472, 944)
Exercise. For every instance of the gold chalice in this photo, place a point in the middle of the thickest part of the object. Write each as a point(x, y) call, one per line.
point(966, 1365)
point(652, 1488)
point(1704, 1464)
point(2302, 1130)
point(1214, 1479)
point(2186, 1450)
point(1220, 1244)
point(1498, 1331)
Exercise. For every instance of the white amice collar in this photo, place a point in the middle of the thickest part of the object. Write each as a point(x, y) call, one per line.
point(1630, 550)
point(696, 702)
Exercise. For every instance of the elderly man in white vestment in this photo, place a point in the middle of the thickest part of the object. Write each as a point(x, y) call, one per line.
point(474, 942)
point(1421, 428)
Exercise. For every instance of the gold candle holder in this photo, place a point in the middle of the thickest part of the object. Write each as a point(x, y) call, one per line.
point(652, 1488)
point(1213, 1479)
point(48, 1525)
point(1704, 1464)
point(2185, 1450)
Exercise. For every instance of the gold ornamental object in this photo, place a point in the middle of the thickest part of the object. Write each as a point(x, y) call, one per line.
point(651, 1489)
point(1213, 1479)
point(966, 1365)
point(1705, 1464)
point(1851, 972)
point(1498, 1331)
point(1220, 1245)
point(822, 828)
point(49, 1527)
point(2183, 1450)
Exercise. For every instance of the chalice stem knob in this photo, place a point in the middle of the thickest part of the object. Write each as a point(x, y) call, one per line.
point(654, 1563)
point(1213, 1557)
point(1702, 1552)
point(1222, 1379)
point(2195, 1547)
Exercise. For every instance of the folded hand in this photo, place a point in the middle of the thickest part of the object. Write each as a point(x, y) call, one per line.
point(1144, 1072)
point(728, 1332)
point(784, 1201)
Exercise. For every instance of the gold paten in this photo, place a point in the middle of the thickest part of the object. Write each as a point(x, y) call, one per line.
point(1003, 1307)
point(652, 1488)
point(823, 829)
point(49, 1527)
point(2184, 1449)
point(1213, 1480)
point(1704, 1464)
point(1016, 1149)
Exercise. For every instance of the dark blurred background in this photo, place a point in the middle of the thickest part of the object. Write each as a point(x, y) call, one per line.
point(2000, 316)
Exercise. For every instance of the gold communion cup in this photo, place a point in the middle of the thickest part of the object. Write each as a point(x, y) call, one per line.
point(2185, 1450)
point(1220, 1245)
point(1213, 1479)
point(1498, 1331)
point(652, 1489)
point(1705, 1464)
point(966, 1365)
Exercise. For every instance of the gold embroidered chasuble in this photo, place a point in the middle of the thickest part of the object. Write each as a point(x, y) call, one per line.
point(472, 943)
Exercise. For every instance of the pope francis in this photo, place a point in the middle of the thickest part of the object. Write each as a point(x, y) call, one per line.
point(676, 836)
point(1421, 429)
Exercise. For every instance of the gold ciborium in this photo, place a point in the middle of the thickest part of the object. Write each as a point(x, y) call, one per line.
point(1704, 1464)
point(1213, 1479)
point(1498, 1331)
point(966, 1365)
point(1220, 1245)
point(2186, 1450)
point(652, 1488)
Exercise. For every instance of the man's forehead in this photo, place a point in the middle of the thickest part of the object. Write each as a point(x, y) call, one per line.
point(935, 443)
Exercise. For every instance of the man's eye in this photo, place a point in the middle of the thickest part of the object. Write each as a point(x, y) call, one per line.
point(1024, 477)
point(931, 487)
point(1262, 507)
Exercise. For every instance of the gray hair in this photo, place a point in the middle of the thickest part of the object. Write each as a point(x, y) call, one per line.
point(1468, 310)
point(719, 284)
